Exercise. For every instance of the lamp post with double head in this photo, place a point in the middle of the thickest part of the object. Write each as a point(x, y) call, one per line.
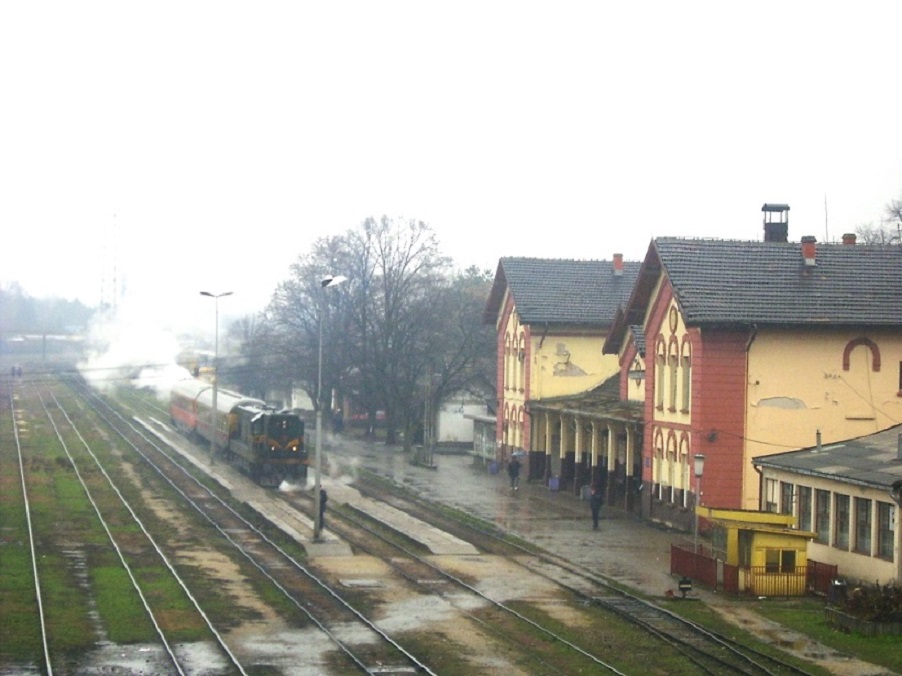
point(215, 297)
point(325, 283)
point(698, 467)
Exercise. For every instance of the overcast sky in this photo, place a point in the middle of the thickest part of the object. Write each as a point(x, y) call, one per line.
point(195, 146)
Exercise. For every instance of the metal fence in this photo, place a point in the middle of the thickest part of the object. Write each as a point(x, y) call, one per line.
point(697, 566)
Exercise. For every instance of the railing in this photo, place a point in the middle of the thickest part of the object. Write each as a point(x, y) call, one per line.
point(764, 582)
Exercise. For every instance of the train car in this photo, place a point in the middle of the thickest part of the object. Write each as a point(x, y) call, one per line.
point(265, 443)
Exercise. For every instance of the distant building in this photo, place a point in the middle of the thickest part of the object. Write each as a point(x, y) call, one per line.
point(455, 415)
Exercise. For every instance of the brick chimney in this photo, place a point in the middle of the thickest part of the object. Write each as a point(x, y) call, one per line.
point(809, 250)
point(776, 222)
point(618, 264)
point(849, 239)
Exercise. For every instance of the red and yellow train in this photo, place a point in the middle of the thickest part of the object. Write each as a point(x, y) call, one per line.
point(265, 443)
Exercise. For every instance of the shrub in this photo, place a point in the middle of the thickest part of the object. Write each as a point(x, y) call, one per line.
point(875, 603)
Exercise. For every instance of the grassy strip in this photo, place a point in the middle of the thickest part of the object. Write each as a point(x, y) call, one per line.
point(806, 616)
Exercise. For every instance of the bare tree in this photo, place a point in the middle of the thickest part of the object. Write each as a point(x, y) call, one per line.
point(885, 233)
point(401, 329)
point(297, 312)
point(256, 370)
point(893, 212)
point(400, 269)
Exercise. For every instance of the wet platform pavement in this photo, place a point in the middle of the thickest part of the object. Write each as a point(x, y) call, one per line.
point(624, 548)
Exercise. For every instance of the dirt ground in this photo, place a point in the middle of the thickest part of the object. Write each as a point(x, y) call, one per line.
point(797, 644)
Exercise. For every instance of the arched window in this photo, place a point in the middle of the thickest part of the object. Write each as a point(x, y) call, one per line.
point(685, 484)
point(686, 375)
point(506, 361)
point(673, 362)
point(660, 354)
point(657, 464)
point(671, 467)
point(521, 362)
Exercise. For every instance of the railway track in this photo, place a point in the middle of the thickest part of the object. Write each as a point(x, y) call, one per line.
point(523, 627)
point(309, 596)
point(141, 549)
point(443, 587)
point(710, 651)
point(43, 661)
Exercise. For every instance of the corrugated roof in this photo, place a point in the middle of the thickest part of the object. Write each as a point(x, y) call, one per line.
point(561, 291)
point(871, 460)
point(738, 282)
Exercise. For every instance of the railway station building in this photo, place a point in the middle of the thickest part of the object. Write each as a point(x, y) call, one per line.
point(551, 317)
point(737, 350)
point(618, 374)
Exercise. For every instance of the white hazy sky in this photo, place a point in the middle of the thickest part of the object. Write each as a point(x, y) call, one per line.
point(204, 145)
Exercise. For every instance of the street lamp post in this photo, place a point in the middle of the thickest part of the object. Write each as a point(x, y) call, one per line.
point(698, 466)
point(325, 283)
point(215, 297)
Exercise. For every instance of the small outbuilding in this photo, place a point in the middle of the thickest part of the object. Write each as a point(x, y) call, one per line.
point(766, 553)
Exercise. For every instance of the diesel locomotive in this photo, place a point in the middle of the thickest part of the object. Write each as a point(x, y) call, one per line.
point(266, 444)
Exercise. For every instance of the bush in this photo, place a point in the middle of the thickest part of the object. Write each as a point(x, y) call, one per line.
point(875, 603)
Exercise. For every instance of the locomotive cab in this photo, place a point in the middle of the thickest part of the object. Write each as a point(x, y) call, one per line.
point(272, 445)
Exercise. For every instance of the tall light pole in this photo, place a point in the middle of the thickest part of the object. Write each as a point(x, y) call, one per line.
point(698, 467)
point(215, 297)
point(325, 283)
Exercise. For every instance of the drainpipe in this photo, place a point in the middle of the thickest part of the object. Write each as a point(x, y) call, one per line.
point(760, 485)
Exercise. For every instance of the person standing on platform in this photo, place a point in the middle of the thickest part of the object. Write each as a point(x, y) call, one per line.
point(323, 497)
point(513, 471)
point(595, 501)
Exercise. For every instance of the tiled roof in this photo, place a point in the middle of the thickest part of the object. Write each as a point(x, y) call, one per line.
point(737, 282)
point(638, 332)
point(560, 291)
point(871, 460)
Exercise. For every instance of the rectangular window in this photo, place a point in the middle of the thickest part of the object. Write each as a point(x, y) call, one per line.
point(862, 525)
point(841, 536)
point(805, 508)
point(788, 561)
point(780, 561)
point(770, 495)
point(822, 516)
point(886, 529)
point(786, 491)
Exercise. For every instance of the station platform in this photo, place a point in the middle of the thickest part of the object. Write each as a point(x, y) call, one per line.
point(624, 549)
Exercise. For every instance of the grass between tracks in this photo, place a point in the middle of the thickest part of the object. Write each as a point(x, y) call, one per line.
point(85, 593)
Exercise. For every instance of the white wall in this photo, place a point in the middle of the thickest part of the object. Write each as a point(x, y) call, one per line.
point(452, 426)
